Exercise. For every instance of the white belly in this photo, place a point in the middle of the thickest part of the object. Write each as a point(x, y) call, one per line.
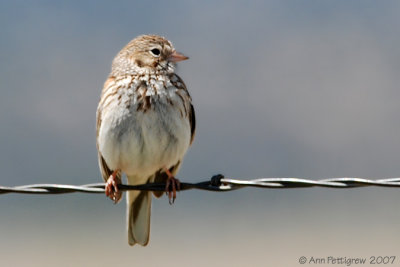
point(140, 143)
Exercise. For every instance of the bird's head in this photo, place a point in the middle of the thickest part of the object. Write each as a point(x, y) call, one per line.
point(146, 54)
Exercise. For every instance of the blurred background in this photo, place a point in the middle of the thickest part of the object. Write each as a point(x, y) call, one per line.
point(281, 89)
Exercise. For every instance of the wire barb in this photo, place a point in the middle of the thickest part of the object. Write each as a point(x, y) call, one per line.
point(217, 183)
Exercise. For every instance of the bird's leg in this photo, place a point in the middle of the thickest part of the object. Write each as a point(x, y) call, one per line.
point(174, 183)
point(111, 189)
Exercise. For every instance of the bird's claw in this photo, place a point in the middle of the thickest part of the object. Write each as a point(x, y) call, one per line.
point(111, 188)
point(171, 186)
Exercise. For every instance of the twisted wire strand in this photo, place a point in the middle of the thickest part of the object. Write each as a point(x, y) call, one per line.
point(217, 183)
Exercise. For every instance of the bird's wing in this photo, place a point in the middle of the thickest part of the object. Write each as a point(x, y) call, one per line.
point(180, 84)
point(192, 121)
point(104, 169)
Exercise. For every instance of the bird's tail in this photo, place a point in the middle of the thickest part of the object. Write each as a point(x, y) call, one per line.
point(138, 216)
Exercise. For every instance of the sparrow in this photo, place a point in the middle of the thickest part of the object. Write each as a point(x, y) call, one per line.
point(145, 125)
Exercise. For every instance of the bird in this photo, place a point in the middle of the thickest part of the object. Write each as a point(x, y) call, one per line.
point(145, 125)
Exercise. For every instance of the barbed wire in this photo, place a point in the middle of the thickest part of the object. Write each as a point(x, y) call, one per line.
point(217, 183)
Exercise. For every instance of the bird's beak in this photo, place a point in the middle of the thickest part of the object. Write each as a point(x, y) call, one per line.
point(176, 57)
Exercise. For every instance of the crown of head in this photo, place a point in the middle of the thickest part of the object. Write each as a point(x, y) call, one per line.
point(146, 54)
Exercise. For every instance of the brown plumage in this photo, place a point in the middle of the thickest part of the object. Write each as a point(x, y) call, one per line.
point(145, 124)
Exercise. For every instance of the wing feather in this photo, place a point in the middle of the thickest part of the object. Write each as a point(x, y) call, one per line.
point(104, 169)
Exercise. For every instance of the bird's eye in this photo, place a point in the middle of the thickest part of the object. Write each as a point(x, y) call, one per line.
point(155, 52)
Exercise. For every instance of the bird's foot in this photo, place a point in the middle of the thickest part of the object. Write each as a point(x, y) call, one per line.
point(111, 188)
point(171, 186)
